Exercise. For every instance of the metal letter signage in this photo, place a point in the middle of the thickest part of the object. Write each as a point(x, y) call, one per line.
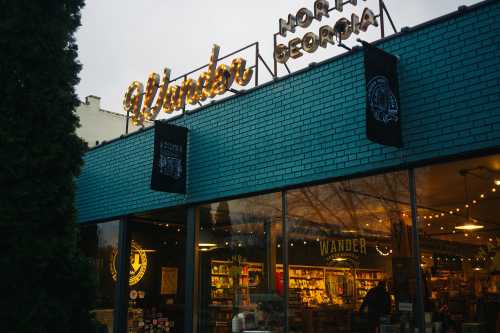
point(383, 113)
point(215, 81)
point(169, 159)
point(341, 30)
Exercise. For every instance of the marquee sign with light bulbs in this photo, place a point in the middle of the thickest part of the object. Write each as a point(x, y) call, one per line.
point(217, 80)
point(341, 30)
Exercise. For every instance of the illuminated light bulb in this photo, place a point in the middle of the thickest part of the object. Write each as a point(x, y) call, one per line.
point(317, 239)
point(305, 243)
point(482, 196)
point(291, 244)
point(458, 209)
point(227, 243)
point(474, 201)
point(436, 216)
point(467, 206)
point(466, 235)
point(441, 228)
point(442, 214)
point(451, 212)
point(425, 217)
point(428, 224)
point(478, 236)
point(367, 224)
point(380, 220)
point(430, 217)
point(279, 245)
point(497, 182)
point(240, 245)
point(491, 240)
point(454, 231)
point(493, 189)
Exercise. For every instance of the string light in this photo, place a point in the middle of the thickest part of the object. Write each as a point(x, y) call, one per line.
point(466, 205)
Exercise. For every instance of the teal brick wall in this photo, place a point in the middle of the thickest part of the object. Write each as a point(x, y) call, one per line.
point(310, 126)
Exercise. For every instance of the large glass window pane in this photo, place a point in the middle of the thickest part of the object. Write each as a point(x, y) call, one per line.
point(156, 272)
point(100, 243)
point(351, 267)
point(458, 207)
point(240, 285)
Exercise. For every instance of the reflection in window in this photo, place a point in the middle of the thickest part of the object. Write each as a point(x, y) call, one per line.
point(459, 235)
point(99, 242)
point(240, 286)
point(350, 255)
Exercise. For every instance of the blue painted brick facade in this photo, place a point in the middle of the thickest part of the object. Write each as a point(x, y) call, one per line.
point(310, 126)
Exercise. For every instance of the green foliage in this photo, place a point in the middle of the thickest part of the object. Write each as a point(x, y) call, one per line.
point(46, 284)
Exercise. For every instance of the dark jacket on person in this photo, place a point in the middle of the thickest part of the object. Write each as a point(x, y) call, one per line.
point(377, 301)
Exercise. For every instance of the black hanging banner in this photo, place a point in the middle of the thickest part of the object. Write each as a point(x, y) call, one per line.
point(169, 159)
point(383, 113)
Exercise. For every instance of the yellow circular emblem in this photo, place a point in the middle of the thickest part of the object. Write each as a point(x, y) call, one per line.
point(138, 263)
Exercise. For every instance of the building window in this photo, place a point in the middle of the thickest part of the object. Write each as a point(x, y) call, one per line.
point(460, 242)
point(99, 242)
point(350, 255)
point(157, 271)
point(240, 284)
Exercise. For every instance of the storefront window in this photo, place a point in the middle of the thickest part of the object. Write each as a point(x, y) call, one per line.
point(350, 256)
point(240, 285)
point(460, 242)
point(99, 242)
point(156, 272)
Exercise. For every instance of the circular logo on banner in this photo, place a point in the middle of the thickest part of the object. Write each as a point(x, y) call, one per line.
point(138, 263)
point(382, 101)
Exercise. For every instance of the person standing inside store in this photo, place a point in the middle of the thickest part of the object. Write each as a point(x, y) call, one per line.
point(376, 303)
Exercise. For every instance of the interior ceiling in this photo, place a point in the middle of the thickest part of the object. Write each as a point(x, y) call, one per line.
point(368, 204)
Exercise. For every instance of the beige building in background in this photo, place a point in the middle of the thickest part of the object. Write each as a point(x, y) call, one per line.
point(98, 125)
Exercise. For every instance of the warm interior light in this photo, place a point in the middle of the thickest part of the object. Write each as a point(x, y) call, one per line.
point(497, 182)
point(340, 259)
point(207, 244)
point(469, 227)
point(350, 231)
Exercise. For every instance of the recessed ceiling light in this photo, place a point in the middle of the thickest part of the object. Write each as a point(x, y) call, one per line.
point(469, 227)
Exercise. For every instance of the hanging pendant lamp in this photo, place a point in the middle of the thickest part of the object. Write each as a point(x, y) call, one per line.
point(470, 224)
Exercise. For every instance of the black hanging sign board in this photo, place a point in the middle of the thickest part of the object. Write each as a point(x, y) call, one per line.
point(169, 160)
point(383, 113)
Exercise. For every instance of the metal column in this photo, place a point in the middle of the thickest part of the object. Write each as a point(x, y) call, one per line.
point(190, 302)
point(284, 218)
point(121, 291)
point(419, 313)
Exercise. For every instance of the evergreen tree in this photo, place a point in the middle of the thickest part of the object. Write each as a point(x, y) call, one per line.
point(46, 284)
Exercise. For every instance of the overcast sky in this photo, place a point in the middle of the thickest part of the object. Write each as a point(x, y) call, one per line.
point(123, 40)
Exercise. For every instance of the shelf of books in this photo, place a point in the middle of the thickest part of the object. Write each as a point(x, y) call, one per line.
point(223, 289)
point(312, 286)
